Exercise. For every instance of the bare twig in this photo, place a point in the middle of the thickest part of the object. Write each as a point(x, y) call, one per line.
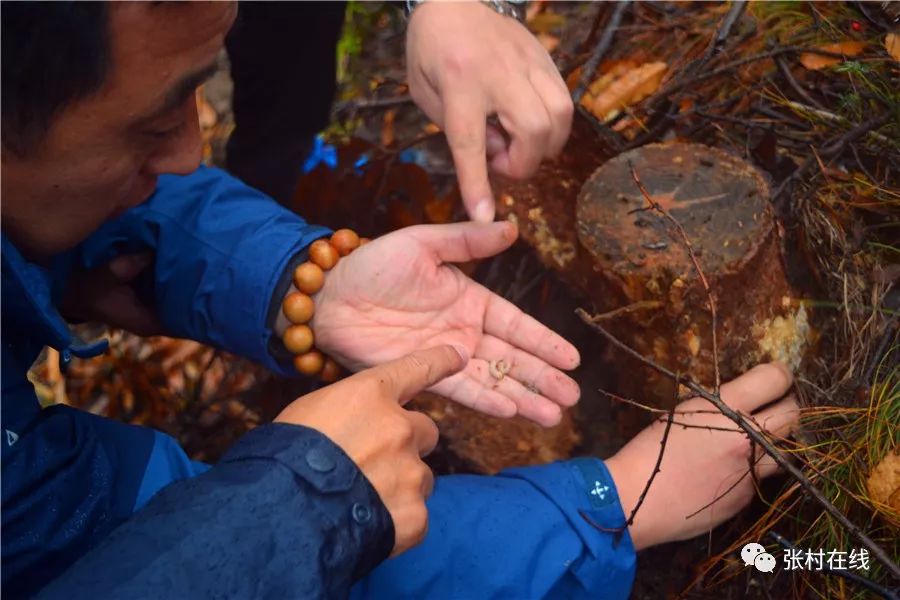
point(371, 103)
point(727, 491)
point(757, 437)
point(690, 248)
point(656, 469)
point(830, 116)
point(587, 71)
point(650, 409)
point(786, 72)
point(640, 305)
point(684, 425)
point(643, 496)
point(724, 30)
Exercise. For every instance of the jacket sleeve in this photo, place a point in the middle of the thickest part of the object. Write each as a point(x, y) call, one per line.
point(526, 533)
point(285, 514)
point(221, 250)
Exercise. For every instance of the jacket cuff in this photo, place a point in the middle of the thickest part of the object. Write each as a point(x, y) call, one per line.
point(259, 339)
point(586, 493)
point(358, 517)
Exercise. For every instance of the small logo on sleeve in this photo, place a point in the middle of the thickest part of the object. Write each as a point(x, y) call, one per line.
point(11, 437)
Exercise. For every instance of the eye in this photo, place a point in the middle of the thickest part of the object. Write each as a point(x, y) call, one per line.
point(161, 134)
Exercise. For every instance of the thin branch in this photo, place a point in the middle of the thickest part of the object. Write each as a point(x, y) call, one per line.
point(690, 248)
point(372, 103)
point(587, 71)
point(720, 496)
point(722, 33)
point(656, 469)
point(759, 438)
point(792, 81)
point(640, 305)
point(684, 425)
point(642, 497)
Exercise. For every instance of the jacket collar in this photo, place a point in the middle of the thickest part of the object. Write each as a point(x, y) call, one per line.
point(27, 293)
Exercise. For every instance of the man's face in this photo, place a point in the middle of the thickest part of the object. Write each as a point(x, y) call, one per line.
point(103, 153)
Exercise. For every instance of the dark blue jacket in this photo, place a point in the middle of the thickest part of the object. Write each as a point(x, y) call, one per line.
point(285, 513)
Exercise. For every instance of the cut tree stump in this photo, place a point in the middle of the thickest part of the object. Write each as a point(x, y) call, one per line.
point(596, 229)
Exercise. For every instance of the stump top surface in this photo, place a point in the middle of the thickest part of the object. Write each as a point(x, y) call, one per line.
point(721, 201)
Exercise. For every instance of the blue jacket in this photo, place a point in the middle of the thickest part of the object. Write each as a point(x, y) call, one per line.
point(285, 513)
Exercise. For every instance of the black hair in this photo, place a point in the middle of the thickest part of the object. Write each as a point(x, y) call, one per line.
point(53, 53)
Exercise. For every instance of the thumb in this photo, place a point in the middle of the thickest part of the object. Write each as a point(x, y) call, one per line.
point(462, 242)
point(128, 266)
point(420, 370)
point(465, 127)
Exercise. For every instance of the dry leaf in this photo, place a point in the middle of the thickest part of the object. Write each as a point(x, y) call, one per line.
point(387, 129)
point(615, 91)
point(892, 45)
point(814, 62)
point(549, 42)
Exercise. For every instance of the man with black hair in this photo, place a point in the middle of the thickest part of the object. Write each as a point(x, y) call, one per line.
point(100, 155)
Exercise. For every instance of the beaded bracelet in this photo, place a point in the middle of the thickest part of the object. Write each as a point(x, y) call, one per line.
point(299, 307)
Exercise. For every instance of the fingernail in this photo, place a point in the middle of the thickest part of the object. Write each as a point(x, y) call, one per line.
point(494, 142)
point(463, 353)
point(484, 211)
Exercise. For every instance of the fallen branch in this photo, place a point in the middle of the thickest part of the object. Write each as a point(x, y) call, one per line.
point(722, 33)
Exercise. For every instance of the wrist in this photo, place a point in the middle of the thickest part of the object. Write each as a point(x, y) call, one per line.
point(642, 530)
point(294, 322)
point(514, 9)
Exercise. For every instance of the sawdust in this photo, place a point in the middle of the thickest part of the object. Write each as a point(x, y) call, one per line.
point(547, 244)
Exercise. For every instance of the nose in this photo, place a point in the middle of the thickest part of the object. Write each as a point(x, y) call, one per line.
point(181, 153)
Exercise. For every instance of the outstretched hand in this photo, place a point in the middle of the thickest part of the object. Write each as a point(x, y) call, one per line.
point(704, 477)
point(401, 292)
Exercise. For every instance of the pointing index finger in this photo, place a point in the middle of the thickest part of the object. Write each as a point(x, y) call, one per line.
point(465, 123)
point(409, 375)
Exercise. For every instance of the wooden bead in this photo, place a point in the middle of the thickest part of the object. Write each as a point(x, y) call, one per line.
point(345, 241)
point(330, 371)
point(309, 363)
point(298, 307)
point(298, 339)
point(308, 278)
point(323, 254)
point(364, 241)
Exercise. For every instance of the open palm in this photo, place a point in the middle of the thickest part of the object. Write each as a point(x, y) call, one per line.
point(401, 293)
